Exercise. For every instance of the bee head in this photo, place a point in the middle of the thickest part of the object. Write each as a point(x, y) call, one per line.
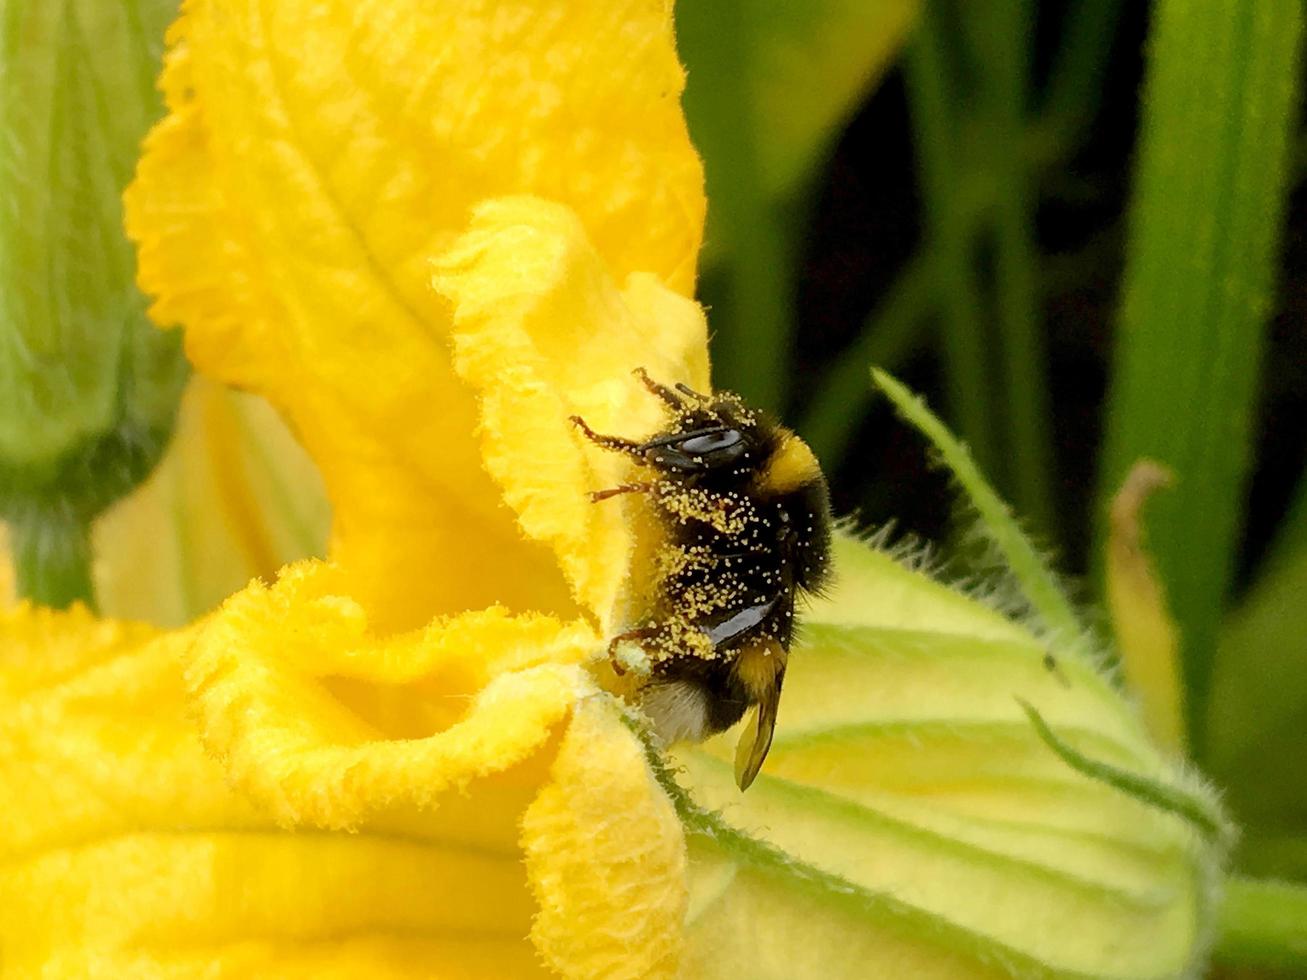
point(698, 450)
point(706, 434)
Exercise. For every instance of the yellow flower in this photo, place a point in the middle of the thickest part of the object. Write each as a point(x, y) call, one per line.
point(428, 233)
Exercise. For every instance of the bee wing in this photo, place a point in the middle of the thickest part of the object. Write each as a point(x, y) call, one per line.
point(755, 740)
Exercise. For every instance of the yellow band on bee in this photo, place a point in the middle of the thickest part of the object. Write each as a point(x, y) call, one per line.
point(757, 665)
point(790, 467)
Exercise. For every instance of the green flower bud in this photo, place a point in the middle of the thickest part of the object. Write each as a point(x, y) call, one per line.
point(952, 792)
point(88, 388)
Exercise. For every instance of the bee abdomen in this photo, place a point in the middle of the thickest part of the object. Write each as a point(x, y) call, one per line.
point(685, 709)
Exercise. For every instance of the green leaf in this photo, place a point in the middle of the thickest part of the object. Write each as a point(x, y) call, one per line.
point(810, 65)
point(950, 235)
point(814, 62)
point(1075, 80)
point(1258, 709)
point(1001, 35)
point(769, 83)
point(1209, 198)
point(88, 388)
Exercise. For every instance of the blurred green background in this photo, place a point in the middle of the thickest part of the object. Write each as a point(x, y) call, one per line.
point(1075, 226)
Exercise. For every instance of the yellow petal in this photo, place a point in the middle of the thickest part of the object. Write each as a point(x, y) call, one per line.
point(605, 855)
point(123, 851)
point(316, 157)
point(880, 588)
point(321, 722)
point(542, 331)
point(1146, 635)
point(234, 498)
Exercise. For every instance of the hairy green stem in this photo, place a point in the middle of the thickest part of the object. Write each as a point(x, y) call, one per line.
point(1263, 925)
point(1203, 814)
point(1032, 575)
point(52, 560)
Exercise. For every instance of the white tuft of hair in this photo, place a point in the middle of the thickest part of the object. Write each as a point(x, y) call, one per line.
point(677, 710)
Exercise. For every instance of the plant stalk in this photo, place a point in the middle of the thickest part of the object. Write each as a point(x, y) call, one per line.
point(52, 560)
point(948, 234)
point(1263, 925)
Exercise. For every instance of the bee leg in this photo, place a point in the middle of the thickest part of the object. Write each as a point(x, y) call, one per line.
point(642, 633)
point(685, 389)
point(672, 399)
point(598, 495)
point(615, 443)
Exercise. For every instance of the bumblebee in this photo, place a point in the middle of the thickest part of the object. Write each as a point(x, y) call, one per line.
point(745, 520)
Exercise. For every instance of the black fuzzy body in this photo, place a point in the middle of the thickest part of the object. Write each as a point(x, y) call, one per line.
point(746, 525)
point(746, 528)
point(782, 550)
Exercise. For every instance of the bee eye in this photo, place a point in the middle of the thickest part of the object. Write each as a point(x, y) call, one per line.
point(711, 443)
point(697, 452)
